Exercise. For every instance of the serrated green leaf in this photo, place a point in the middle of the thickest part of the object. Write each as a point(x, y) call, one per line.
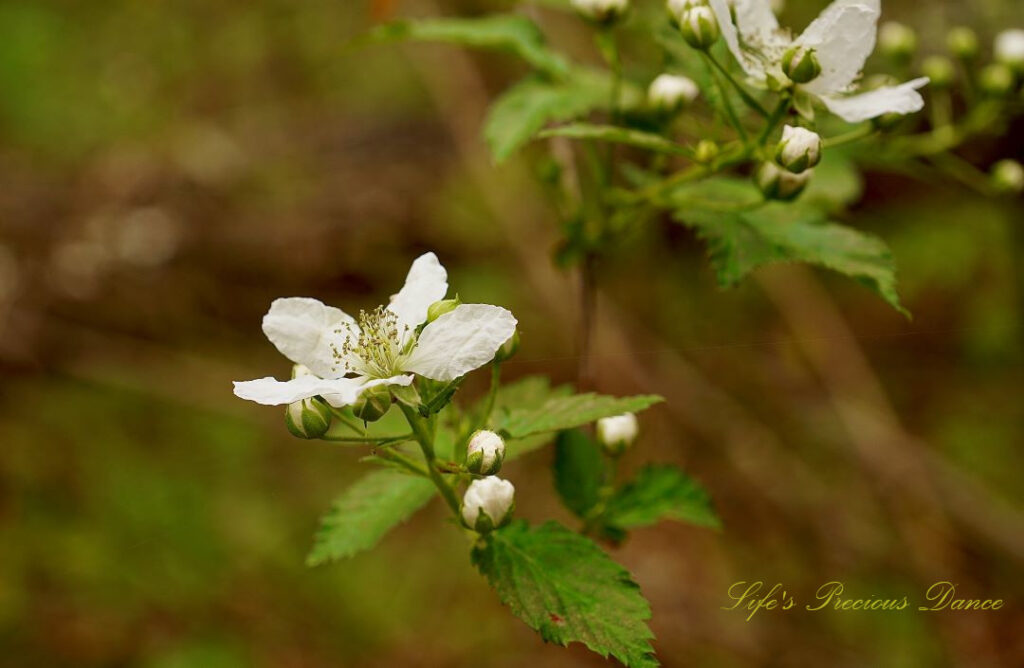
point(527, 392)
point(528, 106)
point(716, 193)
point(567, 412)
point(568, 590)
point(741, 241)
point(660, 493)
point(617, 135)
point(504, 32)
point(579, 471)
point(366, 511)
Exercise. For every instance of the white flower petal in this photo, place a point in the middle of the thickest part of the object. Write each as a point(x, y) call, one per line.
point(902, 99)
point(755, 39)
point(426, 283)
point(460, 341)
point(308, 332)
point(843, 37)
point(338, 391)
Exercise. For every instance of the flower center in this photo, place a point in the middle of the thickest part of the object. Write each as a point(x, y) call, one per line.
point(379, 348)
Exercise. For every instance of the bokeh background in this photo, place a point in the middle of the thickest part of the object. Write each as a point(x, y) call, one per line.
point(168, 168)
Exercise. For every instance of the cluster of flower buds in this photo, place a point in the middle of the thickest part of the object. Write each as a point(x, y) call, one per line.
point(697, 22)
point(669, 93)
point(617, 433)
point(485, 453)
point(601, 11)
point(488, 504)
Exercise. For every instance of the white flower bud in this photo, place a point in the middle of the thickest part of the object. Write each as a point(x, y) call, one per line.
point(617, 433)
point(897, 41)
point(962, 43)
point(699, 27)
point(996, 80)
point(669, 92)
point(309, 418)
point(488, 504)
point(799, 150)
point(800, 64)
point(1008, 176)
point(485, 453)
point(1009, 48)
point(781, 184)
point(601, 11)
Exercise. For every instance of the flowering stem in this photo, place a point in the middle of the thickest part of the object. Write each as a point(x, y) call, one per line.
point(423, 437)
point(727, 103)
point(492, 395)
point(401, 460)
point(773, 121)
point(857, 134)
point(378, 442)
point(747, 97)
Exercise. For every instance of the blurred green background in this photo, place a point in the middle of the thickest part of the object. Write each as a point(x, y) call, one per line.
point(168, 168)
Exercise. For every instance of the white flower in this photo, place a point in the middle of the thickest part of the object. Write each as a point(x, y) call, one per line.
point(618, 432)
point(1009, 47)
point(485, 453)
point(842, 38)
point(601, 10)
point(346, 355)
point(669, 91)
point(799, 149)
point(487, 503)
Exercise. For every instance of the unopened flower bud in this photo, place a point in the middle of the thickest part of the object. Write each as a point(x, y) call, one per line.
point(799, 150)
point(996, 80)
point(670, 93)
point(485, 453)
point(800, 64)
point(601, 11)
point(706, 151)
point(488, 504)
point(508, 349)
point(1009, 49)
point(939, 70)
point(617, 433)
point(962, 42)
point(1008, 176)
point(781, 184)
point(699, 27)
point(372, 404)
point(897, 41)
point(438, 309)
point(309, 418)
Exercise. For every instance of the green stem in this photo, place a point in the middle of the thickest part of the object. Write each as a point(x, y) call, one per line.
point(747, 97)
point(402, 460)
point(773, 121)
point(604, 493)
point(422, 433)
point(364, 440)
point(856, 134)
point(727, 103)
point(347, 420)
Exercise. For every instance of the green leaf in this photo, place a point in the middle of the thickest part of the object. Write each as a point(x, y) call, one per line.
point(611, 133)
point(660, 493)
point(741, 241)
point(366, 511)
point(504, 32)
point(529, 105)
point(568, 590)
point(528, 392)
point(567, 412)
point(720, 193)
point(579, 471)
